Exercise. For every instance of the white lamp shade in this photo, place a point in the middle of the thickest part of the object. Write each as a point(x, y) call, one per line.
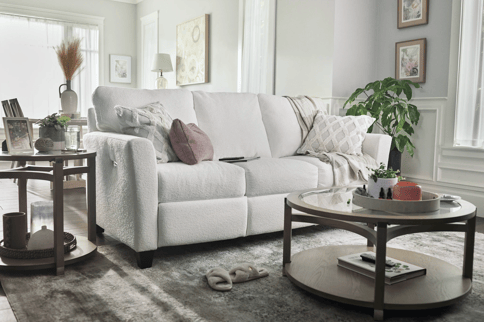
point(162, 62)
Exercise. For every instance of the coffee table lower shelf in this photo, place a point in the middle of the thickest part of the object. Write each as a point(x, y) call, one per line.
point(316, 271)
point(83, 250)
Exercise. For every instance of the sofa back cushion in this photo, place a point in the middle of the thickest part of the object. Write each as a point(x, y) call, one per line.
point(233, 122)
point(178, 102)
point(283, 130)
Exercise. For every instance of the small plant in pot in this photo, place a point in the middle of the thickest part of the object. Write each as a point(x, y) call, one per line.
point(54, 127)
point(382, 178)
point(394, 115)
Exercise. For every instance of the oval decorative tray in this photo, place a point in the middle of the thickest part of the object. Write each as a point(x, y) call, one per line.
point(70, 242)
point(430, 202)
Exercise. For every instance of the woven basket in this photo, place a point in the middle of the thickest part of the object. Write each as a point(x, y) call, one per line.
point(70, 243)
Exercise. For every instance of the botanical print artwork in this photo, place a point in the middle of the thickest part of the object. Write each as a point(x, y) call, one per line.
point(411, 10)
point(410, 61)
point(191, 51)
point(121, 68)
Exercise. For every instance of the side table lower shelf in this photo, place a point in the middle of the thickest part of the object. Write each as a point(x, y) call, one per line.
point(84, 249)
point(316, 271)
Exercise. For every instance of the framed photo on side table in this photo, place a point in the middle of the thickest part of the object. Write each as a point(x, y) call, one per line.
point(18, 135)
point(412, 13)
point(410, 58)
point(120, 69)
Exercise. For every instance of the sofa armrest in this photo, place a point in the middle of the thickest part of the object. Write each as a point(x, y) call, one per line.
point(377, 146)
point(126, 188)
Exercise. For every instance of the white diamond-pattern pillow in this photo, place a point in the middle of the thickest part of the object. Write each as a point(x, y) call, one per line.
point(331, 133)
point(152, 122)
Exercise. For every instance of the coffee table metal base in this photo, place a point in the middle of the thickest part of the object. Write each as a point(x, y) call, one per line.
point(316, 271)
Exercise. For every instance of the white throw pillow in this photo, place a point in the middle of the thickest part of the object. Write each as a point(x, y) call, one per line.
point(331, 133)
point(152, 122)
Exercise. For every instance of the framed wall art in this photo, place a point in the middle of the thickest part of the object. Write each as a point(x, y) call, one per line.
point(412, 13)
point(192, 51)
point(410, 58)
point(18, 135)
point(120, 69)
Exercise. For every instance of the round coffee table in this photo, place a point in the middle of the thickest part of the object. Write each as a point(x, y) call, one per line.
point(86, 247)
point(316, 270)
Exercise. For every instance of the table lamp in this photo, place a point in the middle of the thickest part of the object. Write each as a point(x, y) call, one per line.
point(161, 63)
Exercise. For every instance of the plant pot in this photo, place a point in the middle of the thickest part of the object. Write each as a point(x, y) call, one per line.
point(375, 187)
point(58, 136)
point(395, 160)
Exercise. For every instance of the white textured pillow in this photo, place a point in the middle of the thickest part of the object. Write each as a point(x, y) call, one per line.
point(331, 133)
point(152, 122)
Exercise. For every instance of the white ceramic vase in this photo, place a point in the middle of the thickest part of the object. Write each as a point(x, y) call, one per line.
point(68, 99)
point(374, 188)
point(42, 239)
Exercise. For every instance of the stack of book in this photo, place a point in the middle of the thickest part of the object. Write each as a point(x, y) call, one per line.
point(395, 270)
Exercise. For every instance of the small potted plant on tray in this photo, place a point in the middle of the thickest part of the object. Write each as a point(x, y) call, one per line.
point(54, 127)
point(382, 178)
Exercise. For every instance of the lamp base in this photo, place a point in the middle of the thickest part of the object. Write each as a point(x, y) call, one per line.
point(161, 83)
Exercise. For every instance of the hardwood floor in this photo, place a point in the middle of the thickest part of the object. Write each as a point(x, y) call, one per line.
point(75, 218)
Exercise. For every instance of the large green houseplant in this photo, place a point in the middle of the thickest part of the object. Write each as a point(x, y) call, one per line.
point(394, 114)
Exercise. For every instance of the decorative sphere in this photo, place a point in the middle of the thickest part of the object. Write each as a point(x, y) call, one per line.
point(44, 144)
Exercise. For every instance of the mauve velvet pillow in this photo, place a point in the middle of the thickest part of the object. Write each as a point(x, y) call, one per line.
point(190, 143)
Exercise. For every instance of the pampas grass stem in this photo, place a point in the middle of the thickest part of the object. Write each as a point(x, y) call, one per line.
point(70, 57)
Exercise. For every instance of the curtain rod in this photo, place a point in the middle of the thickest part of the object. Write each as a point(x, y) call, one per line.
point(49, 19)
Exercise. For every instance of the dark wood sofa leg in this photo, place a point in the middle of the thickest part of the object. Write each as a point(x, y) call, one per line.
point(145, 259)
point(99, 230)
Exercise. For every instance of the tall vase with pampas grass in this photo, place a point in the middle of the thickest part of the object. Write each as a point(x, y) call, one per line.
point(70, 60)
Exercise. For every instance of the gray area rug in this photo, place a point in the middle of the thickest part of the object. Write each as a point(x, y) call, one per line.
point(110, 287)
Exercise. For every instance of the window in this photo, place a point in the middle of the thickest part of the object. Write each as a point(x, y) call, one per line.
point(469, 124)
point(29, 70)
point(257, 45)
point(149, 47)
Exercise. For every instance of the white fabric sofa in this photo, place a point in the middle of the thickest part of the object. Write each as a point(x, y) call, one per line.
point(148, 205)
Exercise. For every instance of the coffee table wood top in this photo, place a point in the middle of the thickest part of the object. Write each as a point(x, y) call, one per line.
point(333, 204)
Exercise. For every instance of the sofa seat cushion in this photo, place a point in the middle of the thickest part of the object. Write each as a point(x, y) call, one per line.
point(178, 181)
point(325, 170)
point(267, 176)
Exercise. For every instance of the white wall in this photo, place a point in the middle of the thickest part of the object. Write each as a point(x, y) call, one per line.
point(355, 45)
point(304, 47)
point(223, 37)
point(119, 26)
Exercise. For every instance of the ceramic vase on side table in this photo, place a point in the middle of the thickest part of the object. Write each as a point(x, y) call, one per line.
point(68, 99)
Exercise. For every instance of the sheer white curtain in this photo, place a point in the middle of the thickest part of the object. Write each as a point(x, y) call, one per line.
point(469, 124)
point(257, 70)
point(29, 69)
